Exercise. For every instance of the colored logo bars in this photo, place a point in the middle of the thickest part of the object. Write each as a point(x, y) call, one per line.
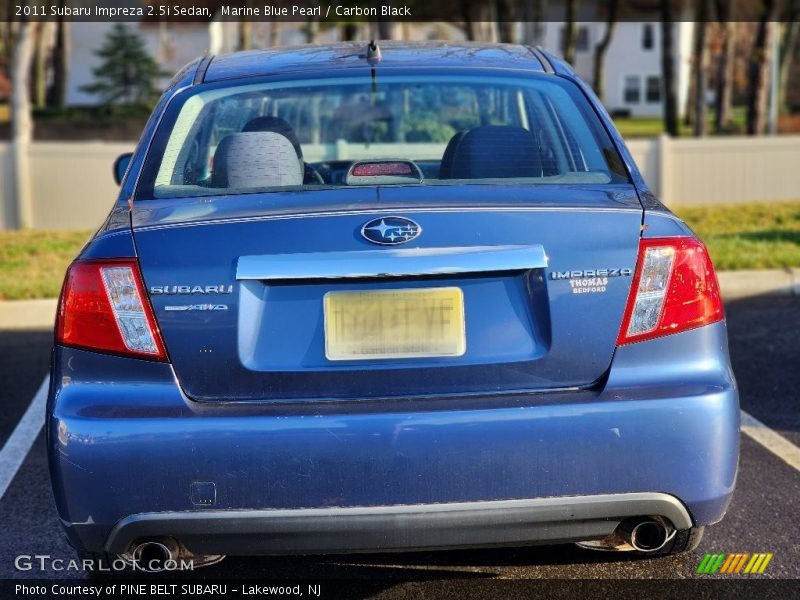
point(730, 564)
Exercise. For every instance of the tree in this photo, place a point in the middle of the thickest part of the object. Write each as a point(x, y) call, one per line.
point(40, 63)
point(274, 34)
point(668, 70)
point(788, 48)
point(506, 21)
point(759, 69)
point(61, 55)
point(127, 73)
point(470, 30)
point(570, 30)
point(533, 12)
point(723, 100)
point(700, 63)
point(602, 47)
point(245, 41)
point(21, 121)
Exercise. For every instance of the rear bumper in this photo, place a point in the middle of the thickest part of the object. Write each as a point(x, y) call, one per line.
point(392, 528)
point(127, 450)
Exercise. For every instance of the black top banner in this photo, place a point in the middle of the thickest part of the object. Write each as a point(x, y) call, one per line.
point(342, 11)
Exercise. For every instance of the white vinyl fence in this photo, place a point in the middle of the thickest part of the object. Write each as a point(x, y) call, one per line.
point(73, 187)
point(692, 171)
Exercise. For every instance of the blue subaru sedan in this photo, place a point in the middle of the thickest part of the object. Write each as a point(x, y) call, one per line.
point(358, 298)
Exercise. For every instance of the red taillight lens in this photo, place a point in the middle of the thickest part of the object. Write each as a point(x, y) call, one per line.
point(674, 289)
point(103, 307)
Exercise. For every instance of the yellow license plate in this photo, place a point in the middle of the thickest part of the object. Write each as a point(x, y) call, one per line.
point(409, 323)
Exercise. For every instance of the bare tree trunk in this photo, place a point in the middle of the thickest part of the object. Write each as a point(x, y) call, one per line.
point(274, 34)
point(700, 63)
point(245, 41)
point(21, 121)
point(602, 47)
point(723, 102)
point(506, 21)
point(349, 32)
point(388, 30)
point(312, 31)
point(470, 29)
point(40, 64)
point(570, 30)
point(61, 56)
point(668, 70)
point(759, 69)
point(9, 30)
point(788, 48)
point(487, 16)
point(533, 16)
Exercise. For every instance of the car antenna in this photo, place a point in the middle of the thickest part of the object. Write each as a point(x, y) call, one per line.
point(373, 53)
point(373, 57)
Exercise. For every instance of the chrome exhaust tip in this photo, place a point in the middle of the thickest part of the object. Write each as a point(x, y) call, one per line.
point(154, 556)
point(645, 535)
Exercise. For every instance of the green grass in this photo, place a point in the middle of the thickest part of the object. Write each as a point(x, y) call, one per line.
point(739, 236)
point(654, 126)
point(748, 236)
point(32, 263)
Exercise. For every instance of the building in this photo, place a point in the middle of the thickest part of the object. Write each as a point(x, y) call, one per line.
point(632, 80)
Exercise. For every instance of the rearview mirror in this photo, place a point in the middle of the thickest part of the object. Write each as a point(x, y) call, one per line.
point(121, 165)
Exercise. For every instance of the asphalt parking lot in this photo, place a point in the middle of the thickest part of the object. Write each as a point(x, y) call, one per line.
point(763, 517)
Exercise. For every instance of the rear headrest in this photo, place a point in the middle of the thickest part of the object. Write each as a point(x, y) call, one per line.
point(276, 125)
point(446, 166)
point(256, 159)
point(492, 151)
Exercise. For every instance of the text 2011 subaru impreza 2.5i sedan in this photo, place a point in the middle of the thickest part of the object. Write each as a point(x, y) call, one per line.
point(357, 298)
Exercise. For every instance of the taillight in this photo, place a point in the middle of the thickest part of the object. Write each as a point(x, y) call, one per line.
point(674, 289)
point(103, 307)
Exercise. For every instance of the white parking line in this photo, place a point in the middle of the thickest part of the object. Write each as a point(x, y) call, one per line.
point(19, 444)
point(771, 440)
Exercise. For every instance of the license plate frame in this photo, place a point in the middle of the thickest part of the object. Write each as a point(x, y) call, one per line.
point(449, 324)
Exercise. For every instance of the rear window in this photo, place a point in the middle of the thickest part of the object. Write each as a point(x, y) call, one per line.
point(391, 130)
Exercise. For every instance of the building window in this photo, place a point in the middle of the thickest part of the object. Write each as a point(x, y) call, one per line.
point(581, 41)
point(648, 36)
point(653, 89)
point(632, 93)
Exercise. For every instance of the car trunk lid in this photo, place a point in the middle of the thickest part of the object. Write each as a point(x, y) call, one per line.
point(239, 286)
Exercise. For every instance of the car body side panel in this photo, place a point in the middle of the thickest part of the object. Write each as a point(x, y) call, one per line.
point(115, 244)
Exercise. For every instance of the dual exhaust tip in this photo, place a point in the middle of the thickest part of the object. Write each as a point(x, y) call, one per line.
point(645, 535)
point(155, 556)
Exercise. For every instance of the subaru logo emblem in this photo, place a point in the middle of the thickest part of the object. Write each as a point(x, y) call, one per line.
point(390, 231)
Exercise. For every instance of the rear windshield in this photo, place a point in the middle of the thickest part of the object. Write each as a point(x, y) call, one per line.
point(387, 130)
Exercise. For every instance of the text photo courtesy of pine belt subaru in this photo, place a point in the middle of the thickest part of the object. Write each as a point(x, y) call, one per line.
point(356, 298)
